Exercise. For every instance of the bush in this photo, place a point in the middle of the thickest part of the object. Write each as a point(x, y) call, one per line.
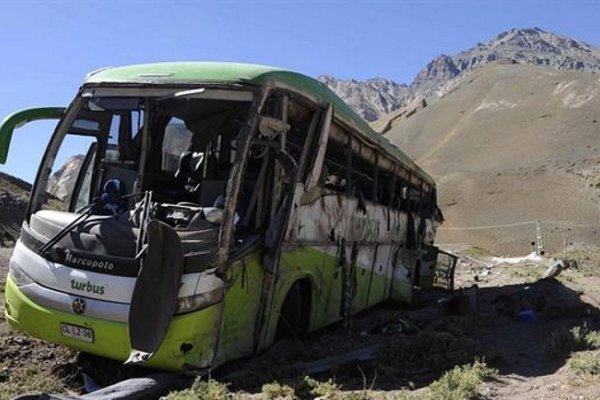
point(310, 387)
point(460, 383)
point(202, 390)
point(585, 363)
point(275, 390)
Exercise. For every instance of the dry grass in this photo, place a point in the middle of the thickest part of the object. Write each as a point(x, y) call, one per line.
point(202, 389)
point(585, 364)
point(320, 388)
point(477, 252)
point(460, 383)
point(526, 272)
point(276, 390)
point(30, 380)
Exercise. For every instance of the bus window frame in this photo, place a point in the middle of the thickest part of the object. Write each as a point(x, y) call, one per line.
point(317, 168)
point(37, 195)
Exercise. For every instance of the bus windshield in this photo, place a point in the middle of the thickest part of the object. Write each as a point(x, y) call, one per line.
point(181, 148)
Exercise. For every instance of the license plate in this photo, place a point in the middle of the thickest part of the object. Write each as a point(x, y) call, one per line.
point(77, 332)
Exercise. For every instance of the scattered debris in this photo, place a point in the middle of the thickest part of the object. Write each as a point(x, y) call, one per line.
point(557, 265)
point(533, 257)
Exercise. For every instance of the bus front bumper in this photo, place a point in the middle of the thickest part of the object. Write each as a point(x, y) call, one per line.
point(188, 345)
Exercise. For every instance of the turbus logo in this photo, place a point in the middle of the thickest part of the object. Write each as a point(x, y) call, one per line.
point(87, 287)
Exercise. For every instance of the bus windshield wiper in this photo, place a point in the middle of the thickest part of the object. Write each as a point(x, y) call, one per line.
point(64, 231)
point(87, 212)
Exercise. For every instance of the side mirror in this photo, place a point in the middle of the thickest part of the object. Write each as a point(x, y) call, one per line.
point(20, 118)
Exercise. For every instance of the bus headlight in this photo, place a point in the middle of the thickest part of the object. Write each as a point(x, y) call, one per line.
point(198, 301)
point(18, 275)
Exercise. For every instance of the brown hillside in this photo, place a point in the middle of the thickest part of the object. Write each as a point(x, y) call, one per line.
point(513, 143)
point(14, 194)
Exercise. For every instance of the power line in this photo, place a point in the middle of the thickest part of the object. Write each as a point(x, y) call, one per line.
point(449, 228)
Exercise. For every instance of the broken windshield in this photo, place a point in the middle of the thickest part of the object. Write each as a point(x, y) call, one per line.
point(181, 148)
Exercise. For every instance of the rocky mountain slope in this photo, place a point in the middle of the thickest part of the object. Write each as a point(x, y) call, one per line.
point(371, 98)
point(14, 194)
point(62, 182)
point(375, 98)
point(512, 144)
point(523, 46)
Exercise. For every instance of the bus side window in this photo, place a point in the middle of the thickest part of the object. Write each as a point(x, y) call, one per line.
point(304, 126)
point(363, 176)
point(333, 173)
point(414, 194)
point(403, 196)
point(386, 189)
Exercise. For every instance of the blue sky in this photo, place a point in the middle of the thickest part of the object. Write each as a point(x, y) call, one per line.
point(49, 46)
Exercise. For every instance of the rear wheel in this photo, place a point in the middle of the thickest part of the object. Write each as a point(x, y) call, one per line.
point(295, 311)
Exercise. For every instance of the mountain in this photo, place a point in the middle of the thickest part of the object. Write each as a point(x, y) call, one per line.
point(14, 194)
point(376, 98)
point(62, 182)
point(513, 143)
point(372, 98)
point(531, 46)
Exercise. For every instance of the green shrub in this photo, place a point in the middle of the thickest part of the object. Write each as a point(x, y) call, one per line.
point(585, 363)
point(309, 387)
point(202, 390)
point(477, 252)
point(276, 390)
point(461, 382)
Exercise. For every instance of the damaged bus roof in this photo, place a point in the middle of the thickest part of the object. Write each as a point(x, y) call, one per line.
point(228, 73)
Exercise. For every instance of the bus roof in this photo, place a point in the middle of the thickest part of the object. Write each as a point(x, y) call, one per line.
point(228, 73)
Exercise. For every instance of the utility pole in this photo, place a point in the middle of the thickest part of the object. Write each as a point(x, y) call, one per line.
point(540, 239)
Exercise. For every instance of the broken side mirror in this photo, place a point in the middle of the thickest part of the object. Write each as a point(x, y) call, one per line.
point(20, 118)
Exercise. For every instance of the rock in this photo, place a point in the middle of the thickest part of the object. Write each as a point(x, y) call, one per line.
point(62, 182)
point(372, 98)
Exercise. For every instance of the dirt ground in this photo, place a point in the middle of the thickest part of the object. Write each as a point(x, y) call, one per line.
point(411, 346)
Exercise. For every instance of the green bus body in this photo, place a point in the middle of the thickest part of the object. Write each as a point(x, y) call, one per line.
point(340, 221)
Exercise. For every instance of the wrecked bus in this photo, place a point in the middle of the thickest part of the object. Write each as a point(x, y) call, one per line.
point(187, 214)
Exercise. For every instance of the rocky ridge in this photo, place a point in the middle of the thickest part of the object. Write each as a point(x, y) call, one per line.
point(375, 98)
point(62, 182)
point(371, 98)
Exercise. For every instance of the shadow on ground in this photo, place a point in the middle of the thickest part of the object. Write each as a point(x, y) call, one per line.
point(415, 347)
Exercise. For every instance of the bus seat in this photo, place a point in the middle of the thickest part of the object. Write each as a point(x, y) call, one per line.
point(210, 190)
point(125, 175)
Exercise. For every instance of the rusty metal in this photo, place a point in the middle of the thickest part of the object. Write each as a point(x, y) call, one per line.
point(304, 157)
point(235, 179)
point(325, 364)
point(273, 240)
point(315, 174)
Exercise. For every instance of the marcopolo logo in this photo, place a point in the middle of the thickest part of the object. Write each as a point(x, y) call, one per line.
point(87, 262)
point(87, 287)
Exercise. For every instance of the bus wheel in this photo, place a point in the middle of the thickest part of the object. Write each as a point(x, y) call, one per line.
point(295, 311)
